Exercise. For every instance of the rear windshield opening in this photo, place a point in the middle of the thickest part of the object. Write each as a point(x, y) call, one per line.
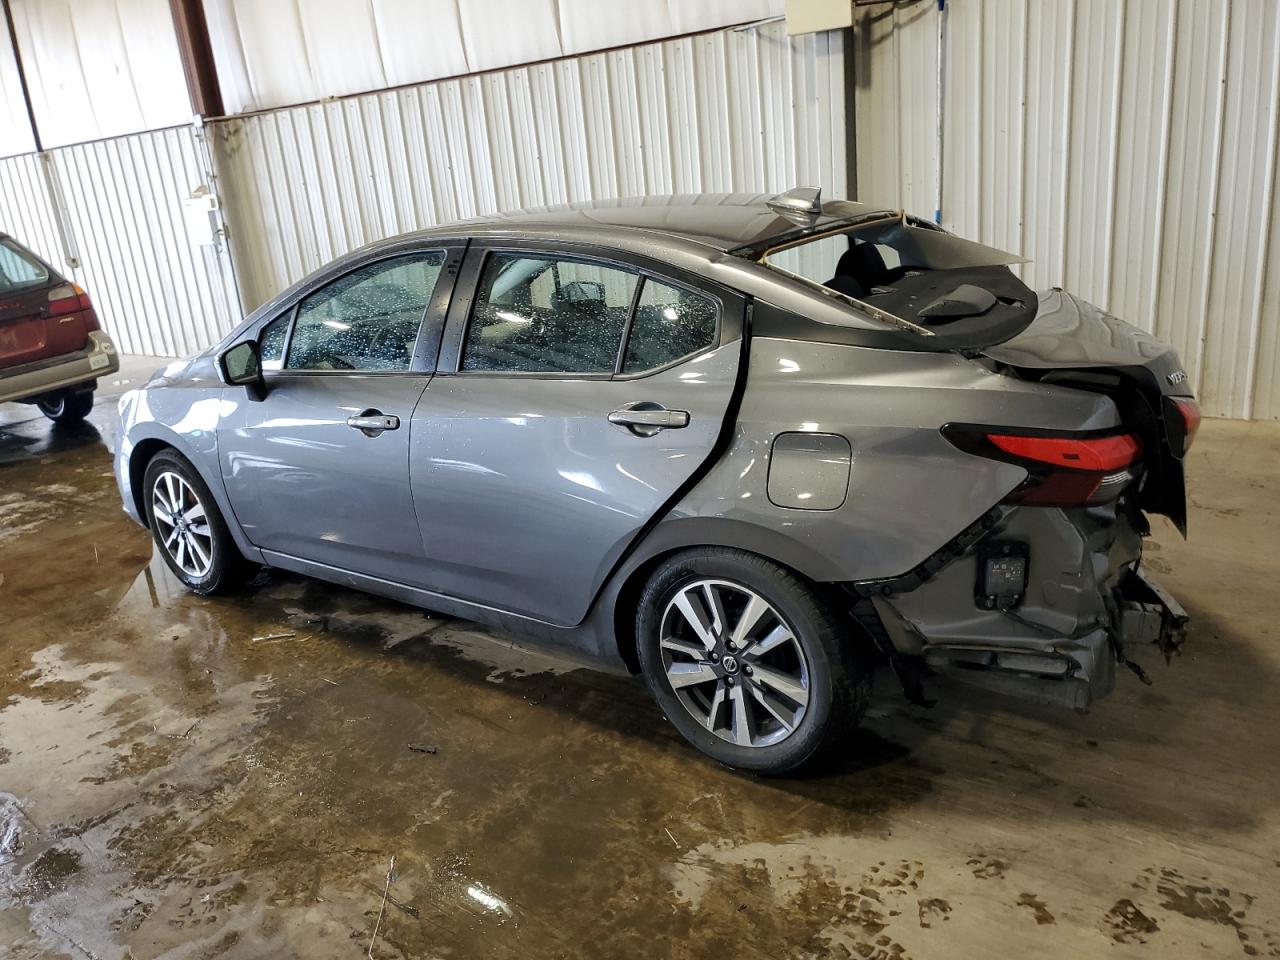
point(19, 270)
point(916, 276)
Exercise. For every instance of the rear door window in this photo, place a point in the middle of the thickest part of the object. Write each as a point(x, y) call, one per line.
point(367, 319)
point(19, 270)
point(545, 314)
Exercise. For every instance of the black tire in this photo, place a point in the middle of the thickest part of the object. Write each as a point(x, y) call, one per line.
point(838, 670)
point(67, 407)
point(227, 569)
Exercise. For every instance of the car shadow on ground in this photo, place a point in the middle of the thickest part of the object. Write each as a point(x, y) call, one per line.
point(18, 445)
point(1143, 742)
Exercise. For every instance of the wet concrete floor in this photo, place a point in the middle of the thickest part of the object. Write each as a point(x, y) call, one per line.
point(172, 784)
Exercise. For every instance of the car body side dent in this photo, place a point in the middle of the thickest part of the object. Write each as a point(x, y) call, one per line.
point(910, 490)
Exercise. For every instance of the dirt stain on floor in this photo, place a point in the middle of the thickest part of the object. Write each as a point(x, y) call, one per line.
point(1128, 924)
point(175, 786)
point(1039, 909)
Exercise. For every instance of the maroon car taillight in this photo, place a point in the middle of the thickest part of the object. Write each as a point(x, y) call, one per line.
point(70, 298)
point(1063, 469)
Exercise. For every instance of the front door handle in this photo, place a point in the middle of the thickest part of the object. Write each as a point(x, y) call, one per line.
point(645, 418)
point(373, 422)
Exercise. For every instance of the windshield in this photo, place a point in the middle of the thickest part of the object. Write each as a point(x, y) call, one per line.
point(19, 270)
point(913, 275)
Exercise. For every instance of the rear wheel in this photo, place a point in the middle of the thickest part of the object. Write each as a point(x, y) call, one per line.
point(67, 407)
point(189, 529)
point(747, 661)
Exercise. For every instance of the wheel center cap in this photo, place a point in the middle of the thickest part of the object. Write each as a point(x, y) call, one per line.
point(730, 664)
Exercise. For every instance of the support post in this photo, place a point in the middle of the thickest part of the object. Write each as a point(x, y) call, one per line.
point(22, 75)
point(197, 57)
point(851, 50)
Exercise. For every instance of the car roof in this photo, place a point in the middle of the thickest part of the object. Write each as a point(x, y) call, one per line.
point(695, 232)
point(725, 222)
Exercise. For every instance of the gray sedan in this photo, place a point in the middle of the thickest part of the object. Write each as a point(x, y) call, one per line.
point(748, 447)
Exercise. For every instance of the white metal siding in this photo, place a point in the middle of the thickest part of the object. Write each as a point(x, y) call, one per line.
point(155, 292)
point(15, 127)
point(26, 209)
point(286, 53)
point(732, 110)
point(97, 68)
point(1128, 147)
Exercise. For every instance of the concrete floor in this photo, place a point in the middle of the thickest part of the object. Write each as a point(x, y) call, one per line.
point(175, 785)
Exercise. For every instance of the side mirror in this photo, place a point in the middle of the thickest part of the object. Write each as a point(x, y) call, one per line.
point(242, 366)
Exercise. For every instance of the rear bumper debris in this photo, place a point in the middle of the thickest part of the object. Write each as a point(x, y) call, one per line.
point(1150, 614)
point(1057, 637)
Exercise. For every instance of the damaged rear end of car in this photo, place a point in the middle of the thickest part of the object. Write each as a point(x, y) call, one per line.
point(1046, 595)
point(1080, 419)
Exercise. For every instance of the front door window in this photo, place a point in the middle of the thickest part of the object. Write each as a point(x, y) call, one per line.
point(367, 319)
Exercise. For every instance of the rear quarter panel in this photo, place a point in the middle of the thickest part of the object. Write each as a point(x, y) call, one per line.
point(910, 491)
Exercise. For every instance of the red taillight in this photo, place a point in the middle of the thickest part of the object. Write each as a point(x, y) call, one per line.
point(1189, 410)
point(71, 298)
point(1098, 454)
point(1062, 470)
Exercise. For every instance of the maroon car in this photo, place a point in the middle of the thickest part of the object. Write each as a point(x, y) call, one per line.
point(52, 350)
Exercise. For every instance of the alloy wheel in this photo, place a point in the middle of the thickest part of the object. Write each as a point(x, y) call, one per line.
point(183, 526)
point(734, 663)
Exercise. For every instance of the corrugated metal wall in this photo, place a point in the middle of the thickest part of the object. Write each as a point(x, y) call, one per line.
point(155, 291)
point(742, 109)
point(1128, 147)
point(94, 68)
point(272, 55)
point(26, 207)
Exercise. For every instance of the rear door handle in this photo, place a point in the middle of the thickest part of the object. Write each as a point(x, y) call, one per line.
point(645, 418)
point(373, 422)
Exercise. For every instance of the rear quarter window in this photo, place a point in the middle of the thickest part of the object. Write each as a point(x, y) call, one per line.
point(670, 323)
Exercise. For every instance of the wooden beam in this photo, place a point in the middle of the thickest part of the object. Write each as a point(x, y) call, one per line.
point(197, 57)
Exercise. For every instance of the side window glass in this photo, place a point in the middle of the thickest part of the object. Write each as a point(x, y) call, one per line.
point(367, 319)
point(271, 342)
point(670, 323)
point(548, 315)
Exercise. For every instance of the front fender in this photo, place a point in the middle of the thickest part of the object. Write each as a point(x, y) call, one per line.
point(195, 414)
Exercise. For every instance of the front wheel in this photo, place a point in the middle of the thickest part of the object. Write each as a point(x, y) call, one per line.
point(67, 407)
point(189, 529)
point(747, 662)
